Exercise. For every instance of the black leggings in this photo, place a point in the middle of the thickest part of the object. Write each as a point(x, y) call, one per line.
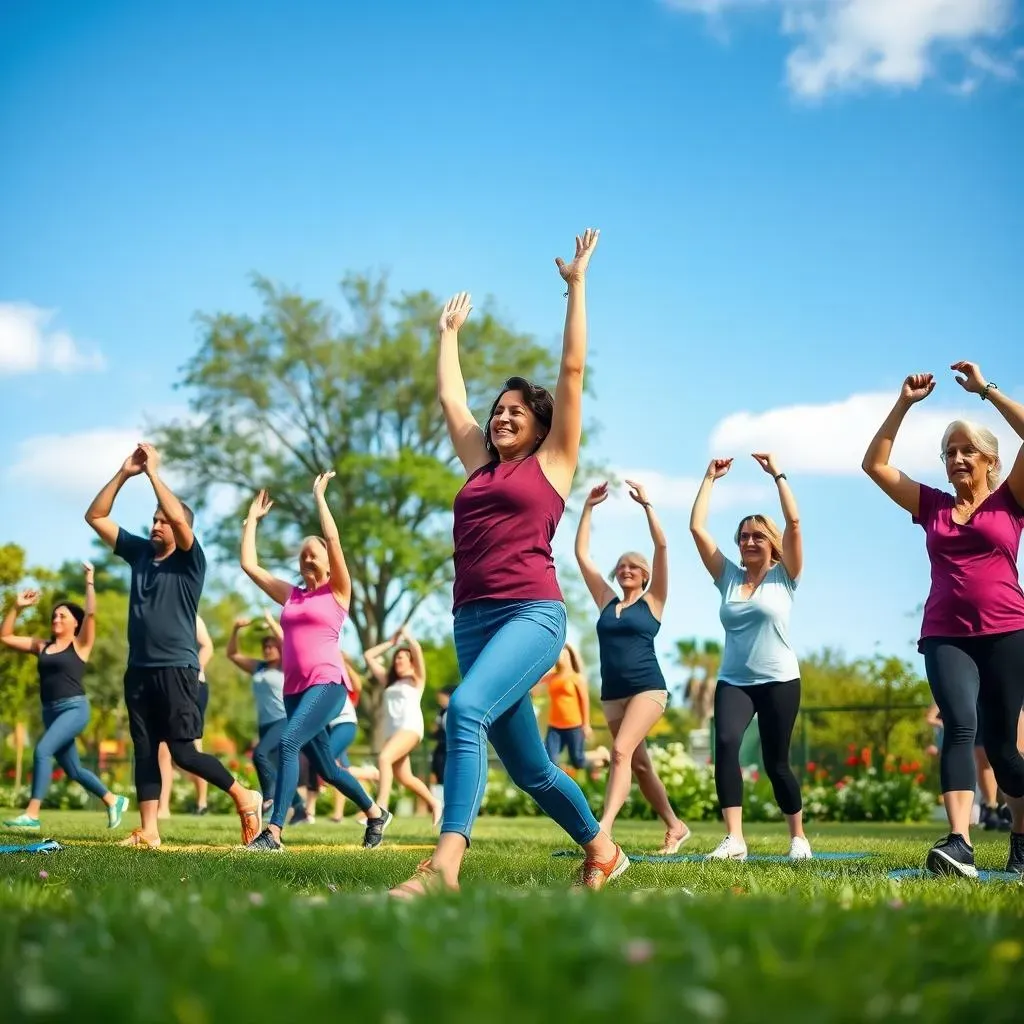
point(966, 673)
point(776, 706)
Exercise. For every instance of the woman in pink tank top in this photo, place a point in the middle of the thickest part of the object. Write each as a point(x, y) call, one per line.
point(316, 685)
point(509, 615)
point(972, 637)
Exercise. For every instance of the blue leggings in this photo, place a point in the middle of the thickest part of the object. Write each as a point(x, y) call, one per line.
point(504, 648)
point(264, 760)
point(64, 721)
point(308, 715)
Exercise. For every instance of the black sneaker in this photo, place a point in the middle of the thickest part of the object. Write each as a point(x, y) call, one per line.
point(1005, 818)
point(1015, 862)
point(952, 856)
point(265, 843)
point(374, 833)
point(200, 811)
point(989, 818)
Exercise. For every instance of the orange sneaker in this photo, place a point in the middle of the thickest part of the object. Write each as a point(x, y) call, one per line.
point(426, 882)
point(140, 841)
point(251, 817)
point(594, 875)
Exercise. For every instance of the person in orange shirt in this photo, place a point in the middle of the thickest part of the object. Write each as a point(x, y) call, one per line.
point(568, 709)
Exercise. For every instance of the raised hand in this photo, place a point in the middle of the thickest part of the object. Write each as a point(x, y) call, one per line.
point(717, 468)
point(242, 623)
point(259, 506)
point(577, 269)
point(321, 482)
point(637, 493)
point(90, 571)
point(26, 598)
point(597, 495)
point(917, 387)
point(972, 379)
point(455, 312)
point(152, 463)
point(767, 462)
point(135, 463)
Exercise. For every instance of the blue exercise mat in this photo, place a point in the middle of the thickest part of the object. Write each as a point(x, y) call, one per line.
point(983, 876)
point(698, 858)
point(45, 846)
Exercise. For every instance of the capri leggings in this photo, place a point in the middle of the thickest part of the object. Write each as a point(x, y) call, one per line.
point(967, 673)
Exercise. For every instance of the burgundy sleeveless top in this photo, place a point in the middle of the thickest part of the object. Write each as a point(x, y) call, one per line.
point(505, 519)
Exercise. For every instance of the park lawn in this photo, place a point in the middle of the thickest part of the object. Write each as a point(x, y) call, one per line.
point(208, 934)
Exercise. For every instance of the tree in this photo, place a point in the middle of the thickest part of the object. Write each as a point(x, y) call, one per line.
point(280, 397)
point(700, 659)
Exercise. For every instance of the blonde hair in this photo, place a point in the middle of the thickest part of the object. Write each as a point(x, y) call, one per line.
point(981, 438)
point(770, 528)
point(640, 559)
point(574, 658)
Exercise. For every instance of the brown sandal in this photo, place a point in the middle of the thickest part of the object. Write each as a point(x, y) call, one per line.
point(138, 841)
point(427, 881)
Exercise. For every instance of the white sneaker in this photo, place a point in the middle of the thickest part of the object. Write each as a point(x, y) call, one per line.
point(730, 848)
point(800, 849)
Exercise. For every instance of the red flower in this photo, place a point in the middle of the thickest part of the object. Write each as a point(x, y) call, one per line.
point(754, 776)
point(919, 778)
point(865, 756)
point(905, 769)
point(811, 766)
point(915, 766)
point(57, 775)
point(841, 784)
point(10, 773)
point(852, 761)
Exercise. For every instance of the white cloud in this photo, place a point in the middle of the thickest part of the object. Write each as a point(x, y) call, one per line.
point(27, 347)
point(72, 465)
point(831, 438)
point(674, 494)
point(849, 44)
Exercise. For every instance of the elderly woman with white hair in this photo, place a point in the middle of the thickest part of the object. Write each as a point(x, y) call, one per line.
point(633, 691)
point(972, 636)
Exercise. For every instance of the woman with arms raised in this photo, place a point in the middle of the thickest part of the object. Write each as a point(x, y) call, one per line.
point(510, 619)
point(972, 635)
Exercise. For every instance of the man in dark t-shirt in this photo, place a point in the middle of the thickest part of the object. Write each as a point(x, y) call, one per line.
point(161, 684)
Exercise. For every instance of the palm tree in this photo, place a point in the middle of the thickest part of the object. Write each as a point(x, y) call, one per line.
point(700, 659)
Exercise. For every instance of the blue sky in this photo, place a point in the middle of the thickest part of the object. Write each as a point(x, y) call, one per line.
point(800, 201)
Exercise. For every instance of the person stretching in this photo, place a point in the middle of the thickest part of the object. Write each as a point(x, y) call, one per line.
point(568, 709)
point(161, 683)
point(403, 681)
point(315, 682)
point(759, 673)
point(972, 633)
point(510, 619)
point(61, 662)
point(633, 691)
point(167, 766)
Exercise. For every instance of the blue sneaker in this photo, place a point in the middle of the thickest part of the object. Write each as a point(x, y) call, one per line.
point(23, 823)
point(115, 812)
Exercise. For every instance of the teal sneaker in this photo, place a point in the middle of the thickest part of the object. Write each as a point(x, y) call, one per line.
point(24, 823)
point(115, 812)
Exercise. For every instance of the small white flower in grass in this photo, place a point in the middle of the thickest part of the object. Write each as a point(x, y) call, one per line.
point(638, 951)
point(256, 899)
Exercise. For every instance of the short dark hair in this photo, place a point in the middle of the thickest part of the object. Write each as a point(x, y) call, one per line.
point(537, 399)
point(190, 516)
point(76, 611)
point(392, 671)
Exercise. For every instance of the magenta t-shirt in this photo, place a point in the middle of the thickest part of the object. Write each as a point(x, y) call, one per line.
point(312, 621)
point(975, 587)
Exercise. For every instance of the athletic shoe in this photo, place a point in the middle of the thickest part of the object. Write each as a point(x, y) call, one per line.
point(115, 812)
point(952, 856)
point(23, 823)
point(800, 849)
point(265, 843)
point(425, 882)
point(251, 817)
point(1005, 818)
point(730, 848)
point(989, 818)
point(374, 832)
point(1015, 862)
point(594, 875)
point(200, 811)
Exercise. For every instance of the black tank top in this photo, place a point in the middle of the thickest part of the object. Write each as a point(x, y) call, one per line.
point(60, 675)
point(628, 662)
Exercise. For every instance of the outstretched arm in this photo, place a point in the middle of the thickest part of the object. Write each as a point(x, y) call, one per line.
point(657, 592)
point(273, 625)
point(561, 448)
point(177, 518)
point(466, 436)
point(900, 487)
point(1011, 411)
point(245, 664)
point(374, 658)
point(22, 644)
point(276, 589)
point(87, 634)
point(205, 642)
point(419, 665)
point(596, 583)
point(707, 548)
point(97, 515)
point(341, 581)
point(792, 539)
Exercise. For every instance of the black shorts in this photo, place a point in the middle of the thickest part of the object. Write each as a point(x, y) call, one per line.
point(204, 700)
point(437, 762)
point(163, 704)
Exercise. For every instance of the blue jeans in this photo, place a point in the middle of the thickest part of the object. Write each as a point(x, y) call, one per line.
point(264, 760)
point(341, 737)
point(309, 713)
point(504, 648)
point(558, 739)
point(64, 721)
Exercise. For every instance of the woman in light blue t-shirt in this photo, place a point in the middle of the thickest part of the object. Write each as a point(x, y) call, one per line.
point(759, 673)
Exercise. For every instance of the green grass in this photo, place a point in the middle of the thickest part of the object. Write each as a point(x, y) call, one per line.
point(209, 934)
